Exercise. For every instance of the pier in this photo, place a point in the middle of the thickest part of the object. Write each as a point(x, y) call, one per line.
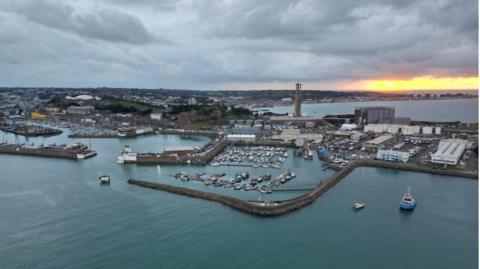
point(283, 207)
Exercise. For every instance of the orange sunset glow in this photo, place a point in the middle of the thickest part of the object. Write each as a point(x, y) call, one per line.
point(418, 83)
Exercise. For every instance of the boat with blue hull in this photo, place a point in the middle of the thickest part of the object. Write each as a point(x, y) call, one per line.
point(408, 202)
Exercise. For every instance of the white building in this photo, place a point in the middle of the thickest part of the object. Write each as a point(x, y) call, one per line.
point(392, 128)
point(156, 116)
point(449, 151)
point(428, 130)
point(393, 156)
point(348, 127)
point(242, 137)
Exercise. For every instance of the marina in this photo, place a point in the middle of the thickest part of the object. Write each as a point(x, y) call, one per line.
point(241, 181)
point(253, 156)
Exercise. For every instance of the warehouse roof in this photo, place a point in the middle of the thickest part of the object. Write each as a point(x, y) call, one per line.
point(380, 140)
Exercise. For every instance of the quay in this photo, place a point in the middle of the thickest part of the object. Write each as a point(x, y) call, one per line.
point(30, 130)
point(132, 133)
point(73, 152)
point(278, 208)
point(202, 157)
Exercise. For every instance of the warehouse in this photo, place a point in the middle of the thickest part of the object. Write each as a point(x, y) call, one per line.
point(377, 143)
point(449, 151)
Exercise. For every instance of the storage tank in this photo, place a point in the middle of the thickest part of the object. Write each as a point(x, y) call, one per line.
point(438, 130)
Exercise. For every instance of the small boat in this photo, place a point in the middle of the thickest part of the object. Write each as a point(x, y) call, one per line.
point(358, 206)
point(104, 179)
point(408, 202)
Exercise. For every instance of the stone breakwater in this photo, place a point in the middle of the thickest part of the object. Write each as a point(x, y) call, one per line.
point(283, 207)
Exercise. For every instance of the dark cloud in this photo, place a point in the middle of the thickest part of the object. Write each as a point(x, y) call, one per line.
point(202, 43)
point(103, 24)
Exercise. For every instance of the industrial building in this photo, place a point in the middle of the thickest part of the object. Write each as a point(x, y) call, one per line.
point(449, 151)
point(374, 114)
point(393, 156)
point(378, 143)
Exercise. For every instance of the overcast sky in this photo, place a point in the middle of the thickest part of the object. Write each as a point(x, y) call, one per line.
point(244, 44)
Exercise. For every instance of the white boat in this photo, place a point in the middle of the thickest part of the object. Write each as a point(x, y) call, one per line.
point(357, 206)
point(105, 179)
point(127, 155)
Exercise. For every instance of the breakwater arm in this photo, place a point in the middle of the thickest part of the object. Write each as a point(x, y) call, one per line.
point(284, 207)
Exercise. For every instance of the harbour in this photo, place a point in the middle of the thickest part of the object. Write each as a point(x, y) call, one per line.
point(325, 224)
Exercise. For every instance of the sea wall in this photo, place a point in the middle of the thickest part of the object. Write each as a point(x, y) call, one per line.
point(282, 207)
point(38, 152)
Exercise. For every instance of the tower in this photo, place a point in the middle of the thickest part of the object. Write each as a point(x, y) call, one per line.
point(298, 101)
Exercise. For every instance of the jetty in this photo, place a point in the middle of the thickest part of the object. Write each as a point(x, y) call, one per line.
point(277, 208)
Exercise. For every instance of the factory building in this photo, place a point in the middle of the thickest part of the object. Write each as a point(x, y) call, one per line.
point(393, 156)
point(449, 151)
point(374, 114)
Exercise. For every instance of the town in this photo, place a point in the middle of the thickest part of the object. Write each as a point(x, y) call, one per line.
point(366, 133)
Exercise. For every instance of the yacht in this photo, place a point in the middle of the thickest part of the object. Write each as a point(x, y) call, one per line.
point(127, 155)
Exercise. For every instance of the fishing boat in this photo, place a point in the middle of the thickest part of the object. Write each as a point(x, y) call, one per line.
point(358, 206)
point(408, 202)
point(105, 179)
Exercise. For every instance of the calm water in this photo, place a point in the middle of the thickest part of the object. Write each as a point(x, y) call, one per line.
point(464, 110)
point(56, 215)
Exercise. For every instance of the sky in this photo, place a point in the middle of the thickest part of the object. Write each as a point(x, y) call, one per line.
point(240, 44)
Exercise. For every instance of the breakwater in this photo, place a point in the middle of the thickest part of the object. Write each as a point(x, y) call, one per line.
point(283, 207)
point(64, 153)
